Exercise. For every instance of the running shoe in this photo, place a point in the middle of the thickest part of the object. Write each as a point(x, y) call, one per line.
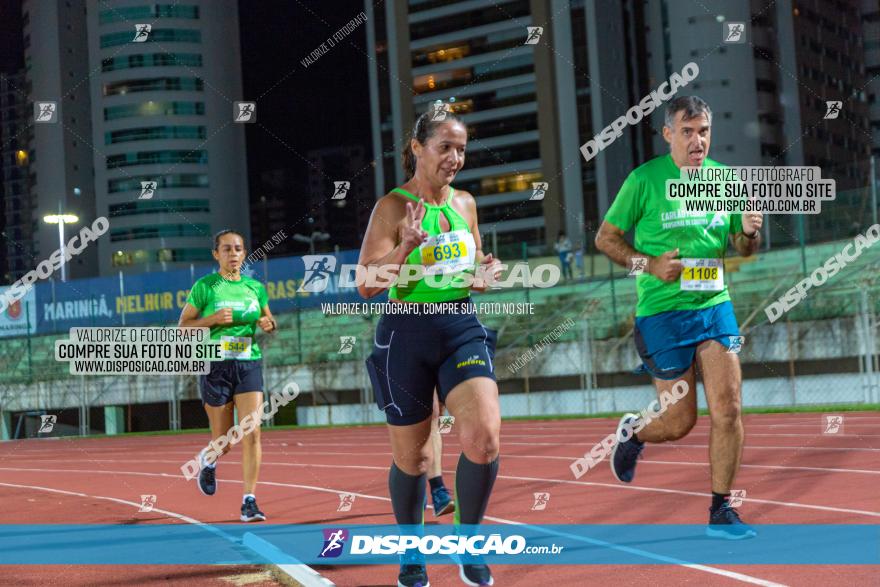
point(207, 477)
point(413, 576)
point(625, 453)
point(250, 512)
point(475, 575)
point(725, 523)
point(443, 503)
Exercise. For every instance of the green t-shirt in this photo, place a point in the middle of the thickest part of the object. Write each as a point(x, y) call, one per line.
point(662, 225)
point(246, 298)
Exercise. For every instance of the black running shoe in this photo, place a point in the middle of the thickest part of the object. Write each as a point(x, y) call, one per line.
point(725, 523)
point(250, 512)
point(208, 480)
point(475, 575)
point(625, 453)
point(413, 576)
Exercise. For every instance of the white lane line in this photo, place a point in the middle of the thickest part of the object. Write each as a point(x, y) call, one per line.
point(508, 477)
point(635, 551)
point(506, 456)
point(304, 574)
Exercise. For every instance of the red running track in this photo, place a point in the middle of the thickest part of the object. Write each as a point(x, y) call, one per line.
point(793, 473)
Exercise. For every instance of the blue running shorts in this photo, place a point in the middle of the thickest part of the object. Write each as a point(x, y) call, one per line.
point(667, 342)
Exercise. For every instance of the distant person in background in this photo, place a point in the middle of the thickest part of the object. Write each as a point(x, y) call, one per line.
point(579, 260)
point(563, 249)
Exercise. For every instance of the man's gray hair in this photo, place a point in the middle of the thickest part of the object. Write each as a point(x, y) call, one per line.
point(693, 107)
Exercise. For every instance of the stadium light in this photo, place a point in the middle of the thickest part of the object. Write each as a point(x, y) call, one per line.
point(61, 219)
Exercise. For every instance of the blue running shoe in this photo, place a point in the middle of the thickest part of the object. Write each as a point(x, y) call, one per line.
point(626, 452)
point(412, 570)
point(443, 503)
point(475, 575)
point(207, 477)
point(250, 512)
point(413, 576)
point(725, 523)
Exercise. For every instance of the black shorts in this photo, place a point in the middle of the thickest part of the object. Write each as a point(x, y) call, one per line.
point(414, 354)
point(228, 378)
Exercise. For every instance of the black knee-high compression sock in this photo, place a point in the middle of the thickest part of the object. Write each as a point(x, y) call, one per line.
point(473, 486)
point(718, 499)
point(407, 496)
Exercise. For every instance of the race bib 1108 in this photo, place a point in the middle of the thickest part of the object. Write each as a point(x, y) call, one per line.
point(702, 275)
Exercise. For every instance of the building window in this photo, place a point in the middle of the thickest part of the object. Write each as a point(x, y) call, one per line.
point(152, 11)
point(158, 206)
point(180, 180)
point(141, 256)
point(152, 108)
point(154, 133)
point(155, 36)
point(159, 231)
point(159, 84)
point(170, 157)
point(151, 60)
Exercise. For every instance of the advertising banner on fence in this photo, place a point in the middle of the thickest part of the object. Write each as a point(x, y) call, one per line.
point(157, 298)
point(19, 316)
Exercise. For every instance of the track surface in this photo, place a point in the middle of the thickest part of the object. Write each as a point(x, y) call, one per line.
point(793, 474)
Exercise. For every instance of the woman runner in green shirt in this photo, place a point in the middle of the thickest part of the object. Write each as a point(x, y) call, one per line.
point(431, 337)
point(233, 306)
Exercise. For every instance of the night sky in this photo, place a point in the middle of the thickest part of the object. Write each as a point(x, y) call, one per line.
point(322, 105)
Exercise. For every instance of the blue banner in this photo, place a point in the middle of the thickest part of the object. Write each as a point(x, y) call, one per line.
point(153, 544)
point(157, 298)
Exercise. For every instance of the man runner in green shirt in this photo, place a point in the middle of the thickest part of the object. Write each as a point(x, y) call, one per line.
point(684, 313)
point(233, 306)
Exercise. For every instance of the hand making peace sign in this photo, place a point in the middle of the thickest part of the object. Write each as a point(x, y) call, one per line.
point(412, 234)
